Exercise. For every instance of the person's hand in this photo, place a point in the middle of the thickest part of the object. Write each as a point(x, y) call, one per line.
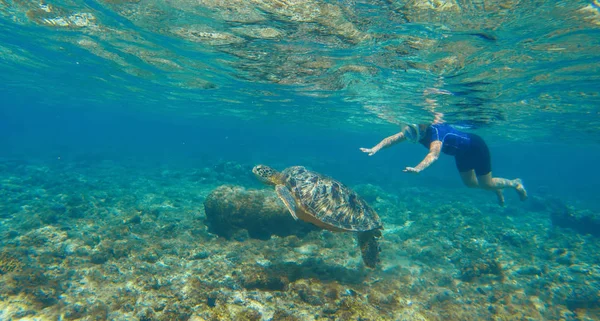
point(411, 170)
point(371, 151)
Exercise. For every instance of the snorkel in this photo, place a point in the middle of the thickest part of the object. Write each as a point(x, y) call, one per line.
point(413, 133)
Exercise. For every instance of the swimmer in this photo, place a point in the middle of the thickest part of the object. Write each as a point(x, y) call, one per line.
point(469, 150)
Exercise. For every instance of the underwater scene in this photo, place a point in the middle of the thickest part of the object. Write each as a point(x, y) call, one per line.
point(402, 160)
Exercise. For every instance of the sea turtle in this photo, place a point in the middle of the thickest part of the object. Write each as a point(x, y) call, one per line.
point(326, 203)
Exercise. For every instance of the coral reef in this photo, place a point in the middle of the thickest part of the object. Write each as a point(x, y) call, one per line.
point(91, 243)
point(9, 263)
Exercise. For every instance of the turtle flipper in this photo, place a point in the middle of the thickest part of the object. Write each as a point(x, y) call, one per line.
point(287, 199)
point(369, 247)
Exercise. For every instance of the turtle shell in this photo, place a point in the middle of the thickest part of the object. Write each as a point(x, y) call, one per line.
point(330, 201)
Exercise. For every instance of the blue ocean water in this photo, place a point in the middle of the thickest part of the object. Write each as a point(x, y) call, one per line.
point(112, 109)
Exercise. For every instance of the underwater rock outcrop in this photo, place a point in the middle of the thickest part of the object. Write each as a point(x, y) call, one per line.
point(582, 221)
point(232, 210)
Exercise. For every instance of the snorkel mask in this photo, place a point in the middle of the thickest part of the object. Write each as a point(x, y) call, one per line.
point(413, 133)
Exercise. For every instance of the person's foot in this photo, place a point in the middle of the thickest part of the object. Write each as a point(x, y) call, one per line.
point(500, 196)
point(521, 189)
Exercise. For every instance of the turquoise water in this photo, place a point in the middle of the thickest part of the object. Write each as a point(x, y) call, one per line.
point(119, 118)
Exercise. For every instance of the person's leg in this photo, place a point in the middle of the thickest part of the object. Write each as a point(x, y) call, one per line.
point(487, 183)
point(465, 168)
point(482, 163)
point(469, 178)
point(521, 189)
point(475, 168)
point(497, 183)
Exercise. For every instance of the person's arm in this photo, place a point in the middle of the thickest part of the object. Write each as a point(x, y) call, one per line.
point(434, 152)
point(386, 142)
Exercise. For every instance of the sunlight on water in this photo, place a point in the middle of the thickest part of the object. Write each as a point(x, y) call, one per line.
point(380, 57)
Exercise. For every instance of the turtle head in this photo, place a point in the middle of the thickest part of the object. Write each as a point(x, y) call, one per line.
point(266, 174)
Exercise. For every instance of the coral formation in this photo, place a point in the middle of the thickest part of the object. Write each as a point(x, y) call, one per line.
point(142, 250)
point(9, 263)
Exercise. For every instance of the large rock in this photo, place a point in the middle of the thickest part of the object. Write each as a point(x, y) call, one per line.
point(232, 209)
point(582, 221)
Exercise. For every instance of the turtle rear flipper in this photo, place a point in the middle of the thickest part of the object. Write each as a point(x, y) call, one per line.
point(369, 247)
point(287, 199)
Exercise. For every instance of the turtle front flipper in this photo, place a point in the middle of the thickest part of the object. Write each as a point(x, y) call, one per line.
point(286, 197)
point(369, 247)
